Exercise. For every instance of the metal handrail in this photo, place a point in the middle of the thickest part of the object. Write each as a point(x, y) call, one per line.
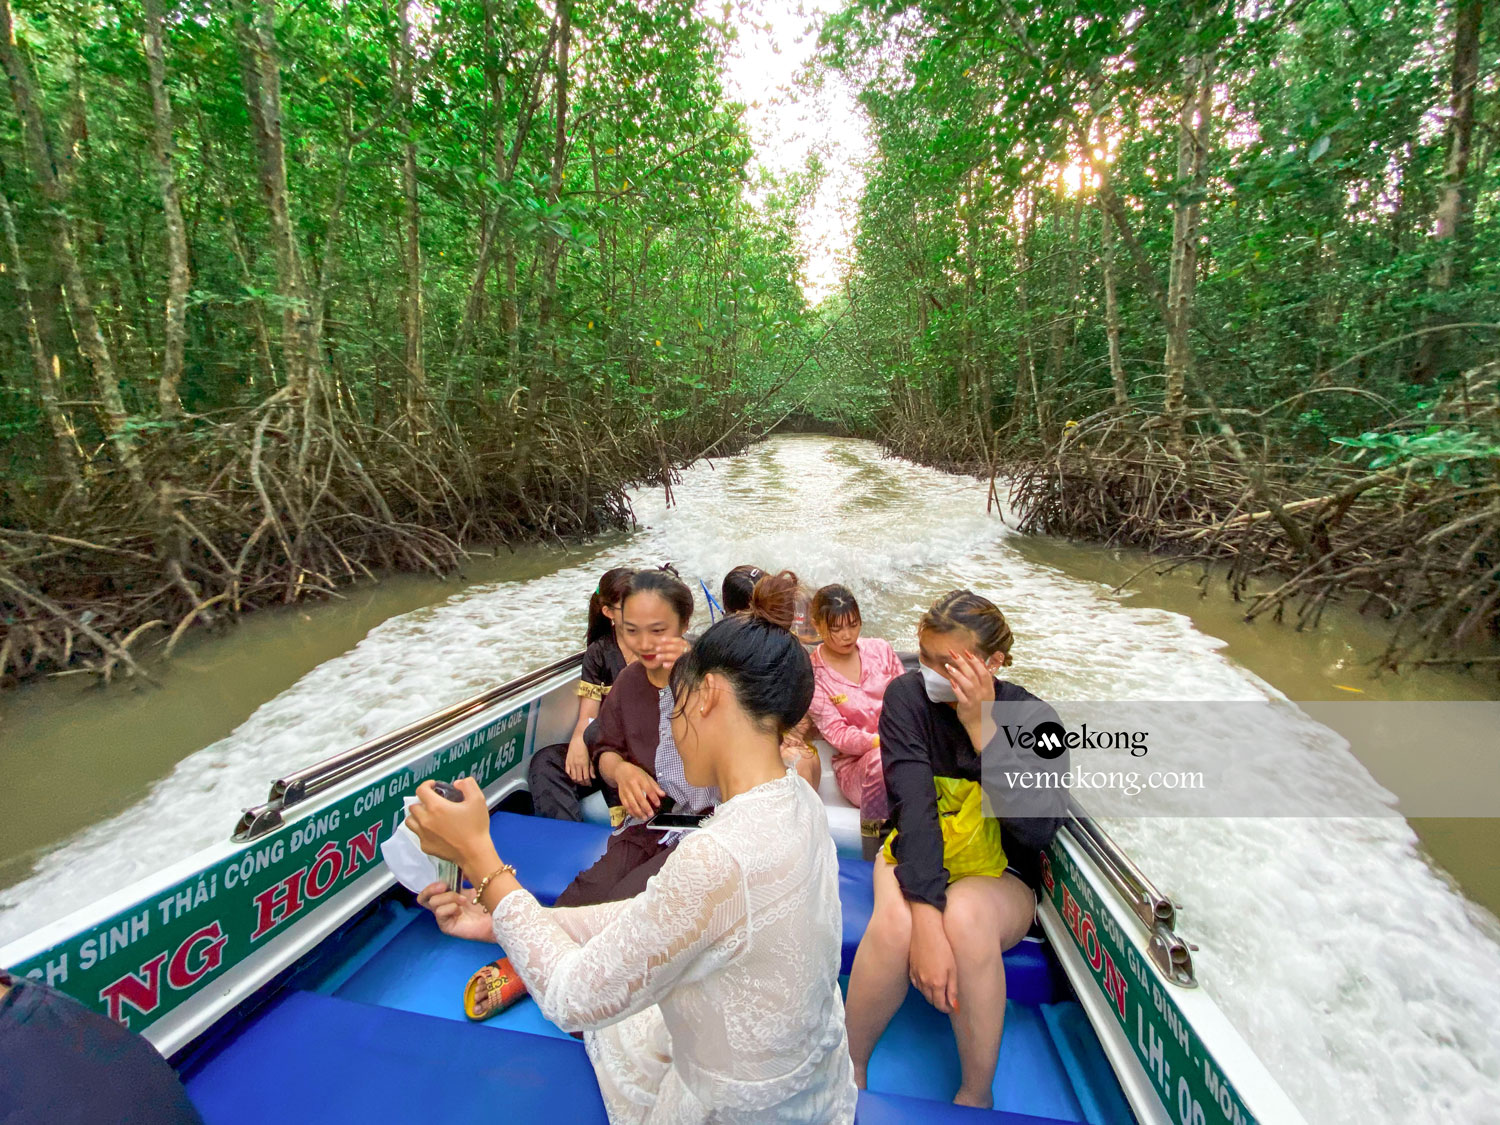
point(304, 783)
point(1155, 911)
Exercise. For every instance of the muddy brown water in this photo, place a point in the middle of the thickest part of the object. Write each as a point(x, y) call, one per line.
point(75, 754)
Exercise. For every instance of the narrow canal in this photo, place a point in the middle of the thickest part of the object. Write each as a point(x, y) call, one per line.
point(1358, 956)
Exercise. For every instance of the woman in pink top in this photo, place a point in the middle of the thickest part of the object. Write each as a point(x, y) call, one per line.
point(850, 674)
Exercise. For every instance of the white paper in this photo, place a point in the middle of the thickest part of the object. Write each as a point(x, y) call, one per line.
point(412, 867)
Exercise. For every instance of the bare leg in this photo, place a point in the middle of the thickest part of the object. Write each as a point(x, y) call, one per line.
point(878, 980)
point(984, 917)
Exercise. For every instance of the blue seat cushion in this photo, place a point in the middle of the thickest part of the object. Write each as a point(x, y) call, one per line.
point(547, 854)
point(894, 1109)
point(1029, 975)
point(337, 1061)
point(310, 1057)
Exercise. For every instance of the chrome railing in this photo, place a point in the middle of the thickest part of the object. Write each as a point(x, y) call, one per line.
point(321, 776)
point(1155, 911)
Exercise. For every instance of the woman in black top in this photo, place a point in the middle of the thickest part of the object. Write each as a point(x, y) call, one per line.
point(560, 776)
point(951, 890)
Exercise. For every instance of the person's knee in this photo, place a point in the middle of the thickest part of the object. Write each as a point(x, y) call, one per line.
point(890, 927)
point(971, 930)
point(1017, 912)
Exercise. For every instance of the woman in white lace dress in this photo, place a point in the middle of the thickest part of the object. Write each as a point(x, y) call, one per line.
point(712, 995)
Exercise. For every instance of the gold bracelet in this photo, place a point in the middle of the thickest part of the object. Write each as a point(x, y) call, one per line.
point(485, 882)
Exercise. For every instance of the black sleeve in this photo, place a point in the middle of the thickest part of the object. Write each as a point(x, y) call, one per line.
point(595, 670)
point(1034, 814)
point(904, 756)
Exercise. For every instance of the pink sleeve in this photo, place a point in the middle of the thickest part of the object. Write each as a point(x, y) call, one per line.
point(842, 735)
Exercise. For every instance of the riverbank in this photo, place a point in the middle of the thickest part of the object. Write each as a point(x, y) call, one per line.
point(107, 746)
point(1403, 523)
point(107, 585)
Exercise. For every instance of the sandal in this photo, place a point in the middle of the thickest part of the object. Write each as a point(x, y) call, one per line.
point(492, 989)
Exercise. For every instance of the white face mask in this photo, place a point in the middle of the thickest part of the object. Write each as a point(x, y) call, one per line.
point(939, 690)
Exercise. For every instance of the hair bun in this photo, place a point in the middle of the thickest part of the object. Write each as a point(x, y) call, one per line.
point(774, 599)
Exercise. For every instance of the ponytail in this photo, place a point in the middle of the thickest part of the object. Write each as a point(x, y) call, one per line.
point(610, 591)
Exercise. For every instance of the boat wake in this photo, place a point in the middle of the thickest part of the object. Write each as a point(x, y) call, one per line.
point(1358, 972)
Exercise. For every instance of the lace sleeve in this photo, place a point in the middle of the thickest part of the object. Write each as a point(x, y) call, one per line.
point(582, 922)
point(693, 910)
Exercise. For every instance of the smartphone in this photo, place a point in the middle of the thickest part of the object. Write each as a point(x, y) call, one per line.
point(452, 792)
point(675, 821)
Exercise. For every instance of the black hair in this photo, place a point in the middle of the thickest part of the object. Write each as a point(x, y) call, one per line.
point(964, 609)
point(765, 665)
point(834, 605)
point(738, 585)
point(665, 584)
point(610, 591)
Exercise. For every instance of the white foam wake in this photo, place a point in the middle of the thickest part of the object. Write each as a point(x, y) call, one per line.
point(1366, 981)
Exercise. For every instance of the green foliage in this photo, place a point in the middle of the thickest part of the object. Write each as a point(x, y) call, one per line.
point(1445, 453)
point(979, 269)
point(672, 305)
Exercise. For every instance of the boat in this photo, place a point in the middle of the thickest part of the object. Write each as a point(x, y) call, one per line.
point(285, 973)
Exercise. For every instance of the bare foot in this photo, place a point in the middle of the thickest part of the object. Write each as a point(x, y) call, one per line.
point(983, 1100)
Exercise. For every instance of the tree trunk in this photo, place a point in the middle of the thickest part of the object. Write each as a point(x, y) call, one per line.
point(1194, 126)
point(1114, 207)
point(1061, 335)
point(552, 253)
point(411, 299)
point(1026, 388)
point(538, 383)
point(91, 342)
point(162, 150)
point(497, 232)
point(1112, 308)
point(1468, 17)
point(261, 75)
point(64, 440)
